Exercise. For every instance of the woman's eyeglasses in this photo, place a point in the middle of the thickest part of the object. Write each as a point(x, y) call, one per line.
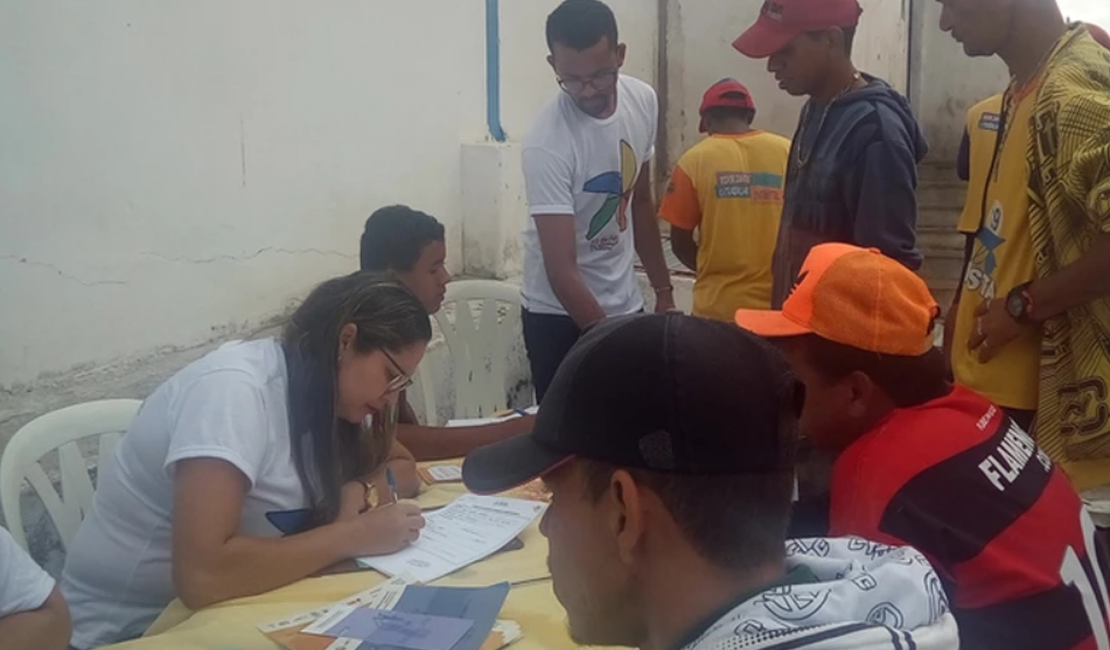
point(400, 381)
point(601, 81)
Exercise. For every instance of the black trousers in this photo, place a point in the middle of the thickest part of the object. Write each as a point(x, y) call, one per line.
point(548, 338)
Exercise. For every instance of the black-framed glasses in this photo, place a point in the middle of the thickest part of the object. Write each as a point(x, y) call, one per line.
point(601, 81)
point(401, 381)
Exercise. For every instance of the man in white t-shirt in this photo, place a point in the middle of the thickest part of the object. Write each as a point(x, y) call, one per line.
point(33, 614)
point(586, 172)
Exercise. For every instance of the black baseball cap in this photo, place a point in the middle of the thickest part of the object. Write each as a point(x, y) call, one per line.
point(664, 392)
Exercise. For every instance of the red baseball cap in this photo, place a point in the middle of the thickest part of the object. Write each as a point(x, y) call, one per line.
point(726, 92)
point(781, 21)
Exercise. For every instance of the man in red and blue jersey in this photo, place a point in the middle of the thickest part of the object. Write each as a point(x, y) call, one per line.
point(938, 467)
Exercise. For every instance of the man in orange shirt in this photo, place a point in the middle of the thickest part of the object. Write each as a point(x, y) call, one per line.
point(728, 187)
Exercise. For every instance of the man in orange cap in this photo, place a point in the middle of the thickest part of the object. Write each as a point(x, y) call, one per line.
point(932, 466)
point(853, 161)
point(728, 187)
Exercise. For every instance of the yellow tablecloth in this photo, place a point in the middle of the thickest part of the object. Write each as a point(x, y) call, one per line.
point(232, 625)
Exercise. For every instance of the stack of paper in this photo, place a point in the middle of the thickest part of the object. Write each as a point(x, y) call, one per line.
point(469, 529)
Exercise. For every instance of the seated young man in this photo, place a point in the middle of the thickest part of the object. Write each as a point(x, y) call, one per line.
point(935, 466)
point(410, 243)
point(667, 442)
point(33, 613)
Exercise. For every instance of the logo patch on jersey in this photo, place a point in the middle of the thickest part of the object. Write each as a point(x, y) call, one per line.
point(757, 186)
point(990, 122)
point(618, 186)
point(980, 274)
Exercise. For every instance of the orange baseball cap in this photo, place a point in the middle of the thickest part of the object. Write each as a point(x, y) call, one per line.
point(856, 297)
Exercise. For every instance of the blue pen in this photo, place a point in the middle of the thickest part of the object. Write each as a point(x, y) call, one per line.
point(392, 480)
point(520, 412)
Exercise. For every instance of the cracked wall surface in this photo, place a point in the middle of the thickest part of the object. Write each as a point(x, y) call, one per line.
point(169, 175)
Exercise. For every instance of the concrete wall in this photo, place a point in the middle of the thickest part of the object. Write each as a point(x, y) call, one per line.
point(174, 174)
point(699, 52)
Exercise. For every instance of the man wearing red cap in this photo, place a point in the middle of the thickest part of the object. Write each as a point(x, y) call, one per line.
point(728, 187)
point(1033, 317)
point(853, 163)
point(933, 466)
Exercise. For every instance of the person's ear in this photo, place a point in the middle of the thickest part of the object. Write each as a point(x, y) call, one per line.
point(626, 516)
point(622, 49)
point(861, 389)
point(551, 62)
point(347, 337)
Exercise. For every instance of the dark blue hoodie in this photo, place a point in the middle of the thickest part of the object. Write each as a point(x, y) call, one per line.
point(859, 186)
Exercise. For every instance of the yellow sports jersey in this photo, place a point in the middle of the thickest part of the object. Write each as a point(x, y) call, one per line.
point(730, 188)
point(1001, 258)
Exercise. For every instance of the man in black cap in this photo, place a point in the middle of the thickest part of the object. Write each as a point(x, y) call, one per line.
point(667, 442)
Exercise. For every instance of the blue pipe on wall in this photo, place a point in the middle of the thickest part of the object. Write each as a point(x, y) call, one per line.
point(493, 70)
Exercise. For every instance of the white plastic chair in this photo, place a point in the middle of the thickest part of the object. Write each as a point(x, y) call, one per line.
point(60, 430)
point(479, 344)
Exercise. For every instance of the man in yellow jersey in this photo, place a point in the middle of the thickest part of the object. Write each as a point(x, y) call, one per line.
point(1038, 278)
point(728, 187)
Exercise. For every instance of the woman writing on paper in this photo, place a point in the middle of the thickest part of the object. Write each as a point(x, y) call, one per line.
point(254, 440)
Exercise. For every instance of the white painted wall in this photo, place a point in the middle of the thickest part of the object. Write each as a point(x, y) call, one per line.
point(174, 172)
point(699, 53)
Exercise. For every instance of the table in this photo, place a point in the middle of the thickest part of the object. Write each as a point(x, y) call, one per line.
point(231, 625)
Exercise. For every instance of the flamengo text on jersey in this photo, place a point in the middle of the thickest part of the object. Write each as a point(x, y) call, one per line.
point(1004, 466)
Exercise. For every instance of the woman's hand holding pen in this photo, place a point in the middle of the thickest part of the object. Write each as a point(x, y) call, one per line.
point(385, 529)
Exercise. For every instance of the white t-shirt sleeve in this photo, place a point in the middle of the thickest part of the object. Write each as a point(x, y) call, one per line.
point(548, 182)
point(221, 415)
point(24, 586)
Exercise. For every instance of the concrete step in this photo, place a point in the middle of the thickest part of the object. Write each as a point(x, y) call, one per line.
point(937, 217)
point(933, 171)
point(941, 240)
point(941, 194)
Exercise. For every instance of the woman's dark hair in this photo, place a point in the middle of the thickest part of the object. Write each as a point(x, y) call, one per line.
point(395, 236)
point(327, 451)
point(581, 24)
point(907, 381)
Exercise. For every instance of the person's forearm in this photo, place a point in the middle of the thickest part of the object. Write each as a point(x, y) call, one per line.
point(575, 296)
point(246, 566)
point(1079, 283)
point(438, 443)
point(46, 628)
point(649, 243)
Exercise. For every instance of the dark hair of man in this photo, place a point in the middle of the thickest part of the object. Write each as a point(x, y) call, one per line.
point(722, 113)
point(581, 24)
point(907, 381)
point(736, 522)
point(395, 236)
point(849, 38)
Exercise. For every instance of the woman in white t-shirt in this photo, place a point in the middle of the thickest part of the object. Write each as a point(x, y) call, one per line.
point(252, 467)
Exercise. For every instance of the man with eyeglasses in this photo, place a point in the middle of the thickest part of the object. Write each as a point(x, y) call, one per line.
point(589, 194)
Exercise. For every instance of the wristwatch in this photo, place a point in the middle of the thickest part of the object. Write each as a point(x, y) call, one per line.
point(1019, 304)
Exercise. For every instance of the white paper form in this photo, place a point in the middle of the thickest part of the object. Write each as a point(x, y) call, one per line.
point(469, 529)
point(475, 422)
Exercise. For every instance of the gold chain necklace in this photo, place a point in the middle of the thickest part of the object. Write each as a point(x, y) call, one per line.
point(800, 158)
